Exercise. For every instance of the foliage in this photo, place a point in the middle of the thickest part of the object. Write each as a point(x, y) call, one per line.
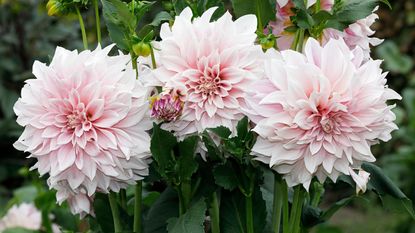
point(230, 165)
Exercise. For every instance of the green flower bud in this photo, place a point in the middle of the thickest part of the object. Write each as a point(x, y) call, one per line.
point(142, 49)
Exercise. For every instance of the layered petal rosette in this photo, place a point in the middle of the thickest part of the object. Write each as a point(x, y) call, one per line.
point(85, 117)
point(210, 62)
point(318, 113)
point(26, 216)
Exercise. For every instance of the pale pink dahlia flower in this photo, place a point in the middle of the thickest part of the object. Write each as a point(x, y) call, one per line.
point(318, 113)
point(358, 34)
point(211, 62)
point(25, 215)
point(85, 117)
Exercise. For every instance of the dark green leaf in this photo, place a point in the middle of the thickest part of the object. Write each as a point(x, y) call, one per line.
point(162, 145)
point(164, 208)
point(222, 132)
point(335, 207)
point(161, 17)
point(232, 212)
point(121, 23)
point(191, 222)
point(103, 214)
point(352, 11)
point(212, 149)
point(225, 176)
point(242, 128)
point(382, 185)
point(186, 162)
point(311, 216)
point(262, 9)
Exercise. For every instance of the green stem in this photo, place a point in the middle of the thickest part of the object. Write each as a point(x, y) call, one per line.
point(123, 198)
point(97, 20)
point(137, 207)
point(299, 211)
point(296, 209)
point(81, 23)
point(249, 216)
point(153, 58)
point(186, 190)
point(300, 40)
point(277, 205)
point(258, 11)
point(134, 63)
point(46, 221)
point(285, 220)
point(115, 212)
point(214, 214)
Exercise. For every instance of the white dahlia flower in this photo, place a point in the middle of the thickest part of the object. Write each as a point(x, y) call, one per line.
point(85, 117)
point(318, 113)
point(211, 62)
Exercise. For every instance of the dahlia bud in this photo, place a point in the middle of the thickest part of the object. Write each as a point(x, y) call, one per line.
point(142, 49)
point(53, 7)
point(167, 106)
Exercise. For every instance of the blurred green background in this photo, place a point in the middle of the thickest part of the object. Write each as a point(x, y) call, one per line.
point(28, 34)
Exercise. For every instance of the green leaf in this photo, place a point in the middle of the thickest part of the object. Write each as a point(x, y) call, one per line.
point(311, 216)
point(121, 23)
point(212, 150)
point(233, 213)
point(26, 193)
point(141, 7)
point(225, 176)
point(352, 11)
point(262, 9)
point(18, 230)
point(394, 60)
point(164, 208)
point(304, 19)
point(191, 222)
point(162, 145)
point(382, 185)
point(203, 5)
point(186, 162)
point(242, 128)
point(160, 18)
point(222, 132)
point(46, 200)
point(103, 214)
point(335, 207)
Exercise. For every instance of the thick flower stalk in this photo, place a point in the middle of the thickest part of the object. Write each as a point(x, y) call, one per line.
point(211, 62)
point(318, 113)
point(86, 120)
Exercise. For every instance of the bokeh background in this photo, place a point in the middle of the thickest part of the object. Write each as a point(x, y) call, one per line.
point(27, 34)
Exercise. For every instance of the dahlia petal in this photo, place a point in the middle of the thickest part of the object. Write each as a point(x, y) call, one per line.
point(66, 157)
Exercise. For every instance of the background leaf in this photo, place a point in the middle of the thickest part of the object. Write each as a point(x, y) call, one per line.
point(191, 222)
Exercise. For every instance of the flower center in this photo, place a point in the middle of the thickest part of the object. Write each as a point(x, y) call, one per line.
point(75, 119)
point(208, 85)
point(327, 125)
